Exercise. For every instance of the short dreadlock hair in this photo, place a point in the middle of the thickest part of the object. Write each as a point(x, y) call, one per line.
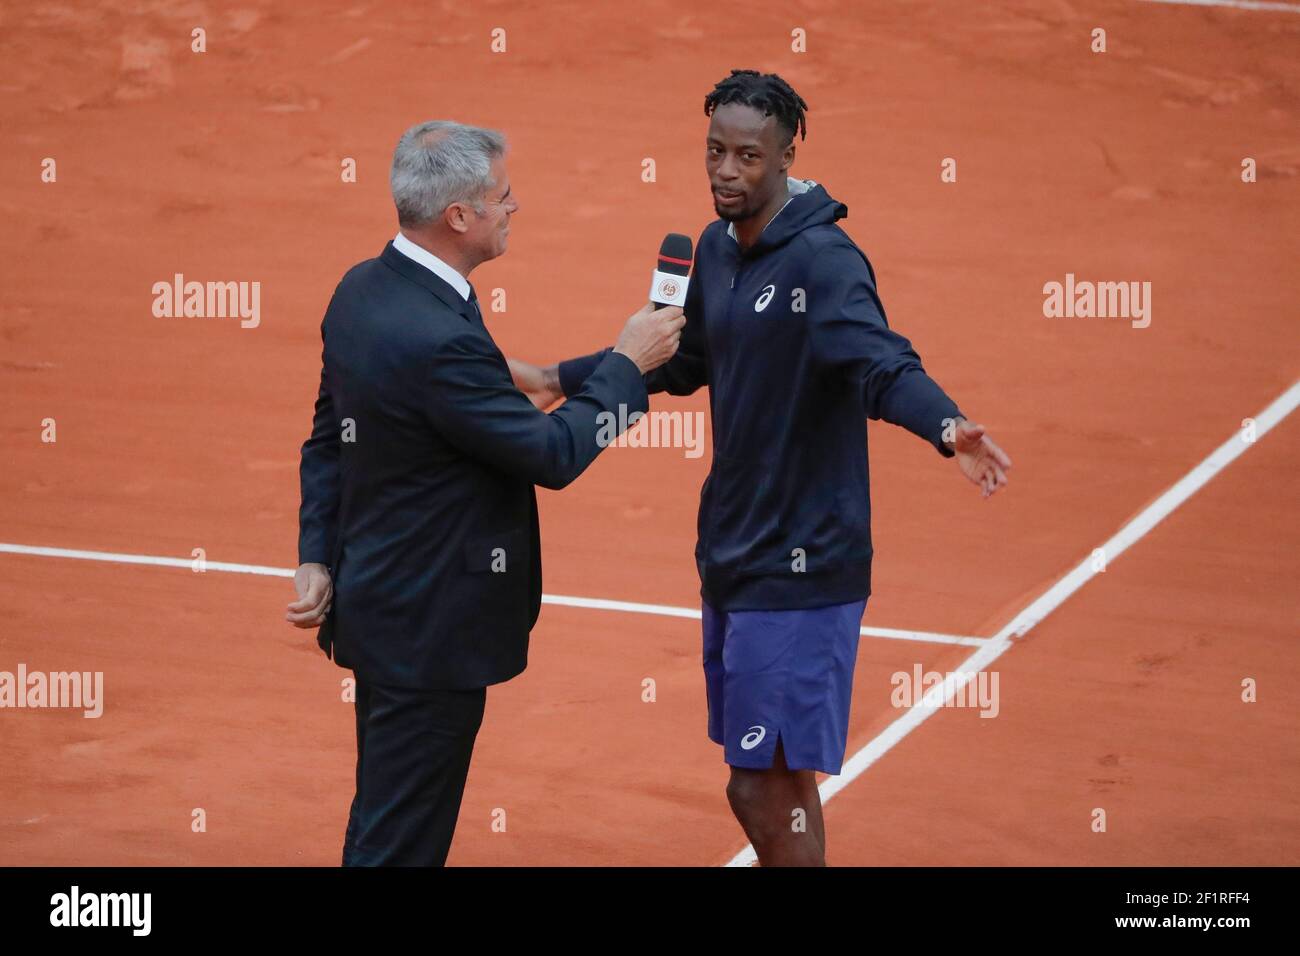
point(765, 92)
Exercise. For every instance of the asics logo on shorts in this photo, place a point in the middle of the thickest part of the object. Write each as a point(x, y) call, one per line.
point(753, 738)
point(765, 298)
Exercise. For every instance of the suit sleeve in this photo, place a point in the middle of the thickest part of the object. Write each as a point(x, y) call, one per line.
point(684, 373)
point(474, 404)
point(575, 371)
point(318, 476)
point(850, 336)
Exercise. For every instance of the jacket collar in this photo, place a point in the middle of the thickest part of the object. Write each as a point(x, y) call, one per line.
point(421, 276)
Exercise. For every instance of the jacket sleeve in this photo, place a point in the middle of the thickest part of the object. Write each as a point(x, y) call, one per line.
point(318, 476)
point(849, 335)
point(684, 373)
point(473, 403)
point(575, 371)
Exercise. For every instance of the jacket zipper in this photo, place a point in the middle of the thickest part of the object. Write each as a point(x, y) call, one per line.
point(731, 302)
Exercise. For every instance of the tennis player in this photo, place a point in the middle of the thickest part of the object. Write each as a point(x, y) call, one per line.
point(785, 327)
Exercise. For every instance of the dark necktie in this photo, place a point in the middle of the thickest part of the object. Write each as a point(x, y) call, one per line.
point(473, 300)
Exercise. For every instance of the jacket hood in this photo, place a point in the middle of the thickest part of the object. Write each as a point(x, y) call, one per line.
point(810, 205)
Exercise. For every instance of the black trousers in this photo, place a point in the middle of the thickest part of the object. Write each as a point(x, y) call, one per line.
point(413, 753)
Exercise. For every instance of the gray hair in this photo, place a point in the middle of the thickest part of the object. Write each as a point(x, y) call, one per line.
point(438, 163)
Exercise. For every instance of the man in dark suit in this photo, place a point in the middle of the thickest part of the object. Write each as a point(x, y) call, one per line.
point(419, 552)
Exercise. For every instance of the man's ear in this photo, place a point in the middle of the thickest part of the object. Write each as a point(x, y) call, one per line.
point(457, 217)
point(787, 157)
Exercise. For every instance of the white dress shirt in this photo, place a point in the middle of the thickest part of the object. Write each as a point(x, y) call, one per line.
point(431, 262)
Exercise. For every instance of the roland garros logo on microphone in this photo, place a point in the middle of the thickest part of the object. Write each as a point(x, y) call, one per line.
point(667, 290)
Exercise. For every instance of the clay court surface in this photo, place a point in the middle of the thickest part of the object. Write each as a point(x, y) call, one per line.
point(183, 433)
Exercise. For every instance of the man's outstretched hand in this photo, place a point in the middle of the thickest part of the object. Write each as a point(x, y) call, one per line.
point(979, 459)
point(315, 592)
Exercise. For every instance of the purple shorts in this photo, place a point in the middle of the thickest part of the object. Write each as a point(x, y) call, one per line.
point(781, 675)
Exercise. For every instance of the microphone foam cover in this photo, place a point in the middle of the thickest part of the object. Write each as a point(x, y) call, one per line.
point(675, 254)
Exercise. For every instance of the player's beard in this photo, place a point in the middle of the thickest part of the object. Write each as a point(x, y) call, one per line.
point(733, 215)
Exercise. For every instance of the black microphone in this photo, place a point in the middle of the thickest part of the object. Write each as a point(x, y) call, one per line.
point(671, 275)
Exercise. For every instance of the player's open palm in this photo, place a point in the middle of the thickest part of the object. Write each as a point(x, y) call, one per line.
point(980, 460)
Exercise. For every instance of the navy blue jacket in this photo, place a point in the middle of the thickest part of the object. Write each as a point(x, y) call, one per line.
point(792, 341)
point(417, 480)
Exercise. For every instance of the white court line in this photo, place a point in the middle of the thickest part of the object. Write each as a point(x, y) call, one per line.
point(598, 604)
point(153, 559)
point(1239, 4)
point(1050, 600)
